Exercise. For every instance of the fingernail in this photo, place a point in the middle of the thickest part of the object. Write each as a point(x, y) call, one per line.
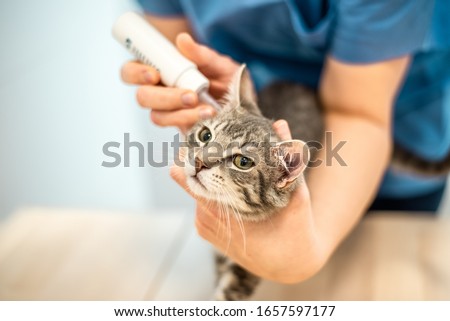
point(205, 113)
point(148, 77)
point(188, 99)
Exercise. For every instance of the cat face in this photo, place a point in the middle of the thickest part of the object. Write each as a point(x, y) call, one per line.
point(237, 160)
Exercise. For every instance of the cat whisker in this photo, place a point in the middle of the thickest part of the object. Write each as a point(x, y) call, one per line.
point(222, 214)
point(222, 203)
point(228, 221)
point(237, 215)
point(220, 223)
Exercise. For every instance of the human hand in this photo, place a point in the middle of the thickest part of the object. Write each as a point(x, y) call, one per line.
point(284, 248)
point(175, 106)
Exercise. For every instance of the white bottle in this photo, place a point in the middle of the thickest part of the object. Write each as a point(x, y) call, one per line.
point(150, 47)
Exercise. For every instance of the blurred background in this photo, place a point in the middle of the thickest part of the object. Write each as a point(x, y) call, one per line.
point(61, 100)
point(72, 229)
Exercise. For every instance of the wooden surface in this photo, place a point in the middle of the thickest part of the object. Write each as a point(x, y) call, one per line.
point(387, 257)
point(60, 254)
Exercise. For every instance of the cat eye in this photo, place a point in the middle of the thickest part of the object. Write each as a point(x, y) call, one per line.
point(205, 135)
point(242, 162)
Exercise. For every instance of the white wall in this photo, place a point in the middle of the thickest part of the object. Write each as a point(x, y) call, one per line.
point(61, 99)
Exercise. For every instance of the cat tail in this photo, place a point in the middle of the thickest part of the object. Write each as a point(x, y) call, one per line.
point(405, 160)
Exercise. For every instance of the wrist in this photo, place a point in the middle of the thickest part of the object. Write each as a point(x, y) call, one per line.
point(303, 258)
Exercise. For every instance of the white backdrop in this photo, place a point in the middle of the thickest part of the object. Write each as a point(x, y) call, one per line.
point(61, 99)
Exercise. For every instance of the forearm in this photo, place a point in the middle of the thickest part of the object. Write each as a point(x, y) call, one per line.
point(340, 194)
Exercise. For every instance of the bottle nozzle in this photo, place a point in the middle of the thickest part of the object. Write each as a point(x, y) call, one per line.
point(206, 98)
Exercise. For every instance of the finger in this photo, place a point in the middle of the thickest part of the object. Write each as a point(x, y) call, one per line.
point(281, 128)
point(165, 98)
point(182, 118)
point(223, 234)
point(136, 73)
point(177, 174)
point(211, 63)
point(206, 223)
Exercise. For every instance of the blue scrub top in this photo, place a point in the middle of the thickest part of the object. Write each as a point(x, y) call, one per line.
point(289, 39)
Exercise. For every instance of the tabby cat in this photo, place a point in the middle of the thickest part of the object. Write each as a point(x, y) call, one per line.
point(237, 160)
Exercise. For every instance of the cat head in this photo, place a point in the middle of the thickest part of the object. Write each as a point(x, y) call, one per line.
point(237, 160)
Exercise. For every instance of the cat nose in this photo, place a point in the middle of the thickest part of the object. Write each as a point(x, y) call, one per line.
point(199, 165)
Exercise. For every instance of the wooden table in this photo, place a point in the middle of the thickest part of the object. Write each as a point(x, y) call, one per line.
point(67, 254)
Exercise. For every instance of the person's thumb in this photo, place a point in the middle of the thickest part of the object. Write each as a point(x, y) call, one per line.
point(209, 61)
point(281, 128)
point(198, 54)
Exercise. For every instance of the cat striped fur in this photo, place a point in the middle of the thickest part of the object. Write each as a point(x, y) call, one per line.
point(249, 193)
point(259, 191)
point(407, 161)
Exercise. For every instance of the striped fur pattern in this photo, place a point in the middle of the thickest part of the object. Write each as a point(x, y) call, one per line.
point(257, 192)
point(251, 193)
point(234, 283)
point(301, 108)
point(406, 160)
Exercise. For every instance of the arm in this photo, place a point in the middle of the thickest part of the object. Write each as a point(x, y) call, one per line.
point(358, 102)
point(296, 243)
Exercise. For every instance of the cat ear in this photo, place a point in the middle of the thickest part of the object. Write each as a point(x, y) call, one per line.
point(242, 92)
point(293, 156)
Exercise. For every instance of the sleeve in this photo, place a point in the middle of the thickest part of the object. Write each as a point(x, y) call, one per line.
point(161, 7)
point(369, 31)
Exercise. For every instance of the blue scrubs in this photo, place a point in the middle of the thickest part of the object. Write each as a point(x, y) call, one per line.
point(289, 39)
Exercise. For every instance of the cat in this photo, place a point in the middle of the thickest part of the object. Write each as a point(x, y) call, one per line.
point(237, 160)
